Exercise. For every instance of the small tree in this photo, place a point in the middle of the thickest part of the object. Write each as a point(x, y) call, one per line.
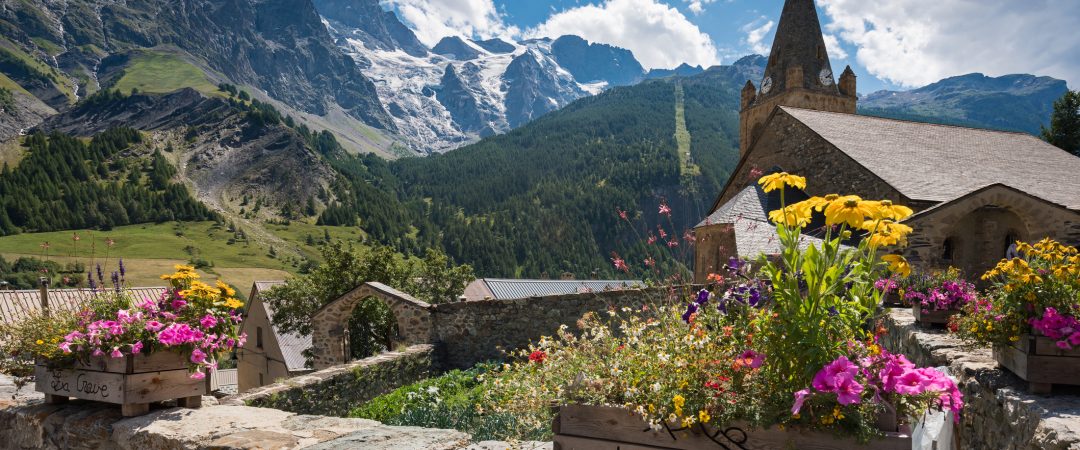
point(1064, 131)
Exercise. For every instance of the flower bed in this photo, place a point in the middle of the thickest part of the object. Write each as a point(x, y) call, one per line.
point(934, 296)
point(786, 343)
point(135, 351)
point(1030, 316)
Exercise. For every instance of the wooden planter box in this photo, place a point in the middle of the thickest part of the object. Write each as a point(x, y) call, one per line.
point(892, 299)
point(133, 382)
point(602, 428)
point(931, 318)
point(1039, 361)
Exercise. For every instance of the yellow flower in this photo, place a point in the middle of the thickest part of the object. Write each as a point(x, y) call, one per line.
point(850, 209)
point(797, 215)
point(233, 303)
point(679, 401)
point(885, 209)
point(703, 416)
point(184, 268)
point(776, 181)
point(40, 342)
point(226, 291)
point(898, 265)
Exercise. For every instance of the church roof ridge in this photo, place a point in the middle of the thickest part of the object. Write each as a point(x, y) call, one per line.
point(916, 122)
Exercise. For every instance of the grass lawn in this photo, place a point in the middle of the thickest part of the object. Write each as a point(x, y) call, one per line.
point(11, 152)
point(150, 250)
point(14, 50)
point(156, 72)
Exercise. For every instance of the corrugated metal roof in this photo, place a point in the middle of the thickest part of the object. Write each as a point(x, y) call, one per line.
point(505, 289)
point(16, 305)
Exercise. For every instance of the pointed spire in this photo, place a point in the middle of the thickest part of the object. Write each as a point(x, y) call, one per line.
point(799, 58)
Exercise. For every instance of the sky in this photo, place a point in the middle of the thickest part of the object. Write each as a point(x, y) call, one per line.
point(891, 44)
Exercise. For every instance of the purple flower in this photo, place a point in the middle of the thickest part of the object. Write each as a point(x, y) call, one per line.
point(154, 325)
point(122, 270)
point(703, 297)
point(136, 348)
point(116, 353)
point(691, 309)
point(100, 275)
point(833, 374)
point(90, 281)
point(800, 398)
point(848, 392)
point(198, 375)
point(208, 321)
point(197, 356)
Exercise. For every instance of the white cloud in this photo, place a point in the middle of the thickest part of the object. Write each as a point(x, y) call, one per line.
point(916, 42)
point(698, 6)
point(832, 45)
point(658, 34)
point(756, 32)
point(434, 19)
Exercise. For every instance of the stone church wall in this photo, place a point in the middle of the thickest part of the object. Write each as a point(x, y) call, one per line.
point(795, 148)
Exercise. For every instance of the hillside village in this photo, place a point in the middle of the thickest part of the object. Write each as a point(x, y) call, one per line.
point(537, 244)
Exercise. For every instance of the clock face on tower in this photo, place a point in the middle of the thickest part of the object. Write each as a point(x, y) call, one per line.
point(826, 77)
point(766, 85)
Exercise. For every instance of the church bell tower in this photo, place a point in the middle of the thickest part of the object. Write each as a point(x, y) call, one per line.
point(798, 74)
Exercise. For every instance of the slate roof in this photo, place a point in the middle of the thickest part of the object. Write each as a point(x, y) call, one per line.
point(292, 345)
point(754, 233)
point(749, 203)
point(938, 163)
point(505, 289)
point(16, 305)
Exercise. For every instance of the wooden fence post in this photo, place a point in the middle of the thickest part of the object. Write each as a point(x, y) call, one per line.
point(44, 282)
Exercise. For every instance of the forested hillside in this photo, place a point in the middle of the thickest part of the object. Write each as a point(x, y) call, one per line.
point(64, 183)
point(542, 199)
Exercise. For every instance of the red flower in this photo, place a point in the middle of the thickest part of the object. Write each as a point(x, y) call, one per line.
point(537, 356)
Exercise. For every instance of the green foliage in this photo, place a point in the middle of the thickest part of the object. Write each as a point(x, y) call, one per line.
point(449, 401)
point(160, 73)
point(1064, 131)
point(432, 279)
point(7, 100)
point(64, 183)
point(541, 200)
point(24, 272)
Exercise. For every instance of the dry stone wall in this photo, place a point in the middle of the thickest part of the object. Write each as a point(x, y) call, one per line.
point(337, 390)
point(471, 332)
point(1000, 414)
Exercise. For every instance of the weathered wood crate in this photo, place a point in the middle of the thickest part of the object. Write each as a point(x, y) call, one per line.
point(1039, 361)
point(602, 428)
point(930, 317)
point(133, 382)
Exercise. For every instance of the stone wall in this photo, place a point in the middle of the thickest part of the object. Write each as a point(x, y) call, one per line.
point(477, 331)
point(794, 147)
point(337, 390)
point(1000, 414)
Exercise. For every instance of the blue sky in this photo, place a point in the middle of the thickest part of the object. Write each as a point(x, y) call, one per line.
point(891, 44)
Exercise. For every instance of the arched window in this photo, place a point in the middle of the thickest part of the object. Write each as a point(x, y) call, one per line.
point(948, 250)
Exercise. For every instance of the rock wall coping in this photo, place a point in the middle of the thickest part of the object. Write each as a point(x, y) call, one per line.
point(999, 414)
point(337, 390)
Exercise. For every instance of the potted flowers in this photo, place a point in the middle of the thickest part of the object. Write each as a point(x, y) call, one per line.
point(778, 356)
point(1030, 317)
point(936, 296)
point(135, 351)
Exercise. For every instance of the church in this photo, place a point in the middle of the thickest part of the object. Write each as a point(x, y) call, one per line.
point(974, 191)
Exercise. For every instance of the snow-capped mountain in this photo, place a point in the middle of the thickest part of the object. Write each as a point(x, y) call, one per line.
point(461, 89)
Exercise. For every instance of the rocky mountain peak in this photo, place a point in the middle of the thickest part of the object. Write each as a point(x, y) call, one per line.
point(454, 47)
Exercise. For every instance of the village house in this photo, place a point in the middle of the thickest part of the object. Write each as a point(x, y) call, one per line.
point(269, 354)
point(974, 191)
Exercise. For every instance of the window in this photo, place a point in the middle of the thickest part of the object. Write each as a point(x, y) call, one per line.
point(948, 249)
point(258, 337)
point(261, 380)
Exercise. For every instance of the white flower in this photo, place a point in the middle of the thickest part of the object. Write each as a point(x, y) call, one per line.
point(432, 390)
point(663, 357)
point(656, 387)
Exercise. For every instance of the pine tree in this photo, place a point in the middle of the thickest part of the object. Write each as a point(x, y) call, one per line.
point(1064, 131)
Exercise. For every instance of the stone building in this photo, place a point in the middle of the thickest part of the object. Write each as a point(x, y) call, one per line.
point(507, 289)
point(974, 191)
point(269, 354)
